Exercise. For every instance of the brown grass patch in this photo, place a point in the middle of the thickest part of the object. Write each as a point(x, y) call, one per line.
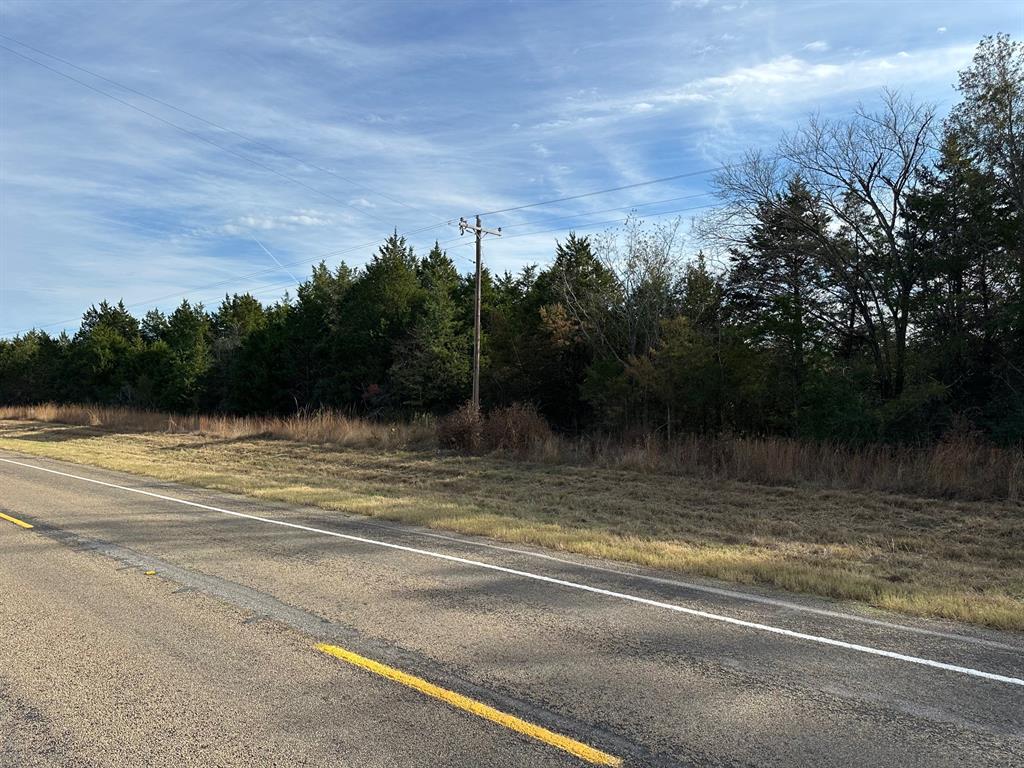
point(315, 427)
point(962, 467)
point(960, 560)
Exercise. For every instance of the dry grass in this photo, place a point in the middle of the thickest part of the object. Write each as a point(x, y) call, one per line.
point(961, 560)
point(318, 427)
point(962, 467)
point(957, 468)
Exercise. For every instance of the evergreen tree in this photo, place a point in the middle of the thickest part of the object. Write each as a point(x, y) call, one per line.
point(376, 313)
point(962, 226)
point(188, 336)
point(105, 354)
point(237, 318)
point(431, 367)
point(777, 290)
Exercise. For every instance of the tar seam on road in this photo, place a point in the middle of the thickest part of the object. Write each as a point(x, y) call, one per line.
point(15, 520)
point(561, 582)
point(457, 700)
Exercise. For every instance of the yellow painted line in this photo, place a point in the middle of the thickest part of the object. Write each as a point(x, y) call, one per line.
point(457, 700)
point(15, 520)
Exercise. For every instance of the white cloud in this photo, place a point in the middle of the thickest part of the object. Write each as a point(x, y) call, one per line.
point(720, 108)
point(817, 46)
point(790, 79)
point(941, 30)
point(286, 221)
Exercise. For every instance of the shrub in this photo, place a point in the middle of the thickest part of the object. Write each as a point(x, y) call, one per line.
point(461, 430)
point(517, 429)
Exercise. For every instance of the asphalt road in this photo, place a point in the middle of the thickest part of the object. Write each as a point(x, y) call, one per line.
point(138, 630)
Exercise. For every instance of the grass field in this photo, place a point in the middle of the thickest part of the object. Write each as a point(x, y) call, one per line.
point(927, 557)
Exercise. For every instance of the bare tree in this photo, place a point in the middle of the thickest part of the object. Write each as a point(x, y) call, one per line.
point(863, 170)
point(622, 315)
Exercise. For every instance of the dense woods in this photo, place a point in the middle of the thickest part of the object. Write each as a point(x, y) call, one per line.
point(864, 281)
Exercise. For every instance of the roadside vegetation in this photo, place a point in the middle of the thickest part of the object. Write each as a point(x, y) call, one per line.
point(962, 466)
point(828, 398)
point(681, 511)
point(862, 283)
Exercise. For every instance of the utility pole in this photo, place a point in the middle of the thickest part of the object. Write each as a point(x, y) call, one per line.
point(465, 226)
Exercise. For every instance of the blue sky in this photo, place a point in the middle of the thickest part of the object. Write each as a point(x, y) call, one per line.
point(412, 114)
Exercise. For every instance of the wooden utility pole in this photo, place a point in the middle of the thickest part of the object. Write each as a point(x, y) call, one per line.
point(479, 230)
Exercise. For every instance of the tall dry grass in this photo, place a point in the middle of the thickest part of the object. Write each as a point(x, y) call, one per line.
point(963, 467)
point(316, 427)
point(958, 468)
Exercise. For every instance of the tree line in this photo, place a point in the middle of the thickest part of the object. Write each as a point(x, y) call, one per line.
point(864, 281)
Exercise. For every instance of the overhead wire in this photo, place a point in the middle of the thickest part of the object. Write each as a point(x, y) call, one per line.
point(609, 222)
point(284, 266)
point(635, 185)
point(604, 210)
point(340, 252)
point(470, 241)
point(329, 254)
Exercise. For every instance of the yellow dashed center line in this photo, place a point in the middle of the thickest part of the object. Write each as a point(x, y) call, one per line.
point(15, 520)
point(457, 700)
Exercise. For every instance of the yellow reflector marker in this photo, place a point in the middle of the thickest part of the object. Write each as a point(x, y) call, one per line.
point(150, 573)
point(15, 520)
point(457, 700)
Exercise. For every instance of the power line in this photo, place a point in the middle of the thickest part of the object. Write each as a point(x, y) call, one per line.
point(301, 183)
point(341, 252)
point(610, 189)
point(465, 243)
point(195, 135)
point(478, 229)
point(239, 134)
point(592, 224)
point(606, 210)
point(629, 208)
point(282, 153)
point(272, 286)
point(275, 260)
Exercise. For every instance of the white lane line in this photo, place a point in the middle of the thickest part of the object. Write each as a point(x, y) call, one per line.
point(691, 586)
point(561, 582)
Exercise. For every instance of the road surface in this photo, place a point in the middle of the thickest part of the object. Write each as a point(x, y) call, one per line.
point(144, 623)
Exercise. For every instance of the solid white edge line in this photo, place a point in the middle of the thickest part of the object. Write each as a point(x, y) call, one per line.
point(561, 582)
point(694, 587)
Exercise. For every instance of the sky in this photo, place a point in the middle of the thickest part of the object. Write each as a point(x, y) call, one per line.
point(155, 151)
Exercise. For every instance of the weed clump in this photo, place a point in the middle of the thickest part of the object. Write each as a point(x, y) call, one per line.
point(516, 429)
point(461, 430)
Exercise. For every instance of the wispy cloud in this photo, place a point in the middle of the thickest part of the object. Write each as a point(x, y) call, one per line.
point(428, 122)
